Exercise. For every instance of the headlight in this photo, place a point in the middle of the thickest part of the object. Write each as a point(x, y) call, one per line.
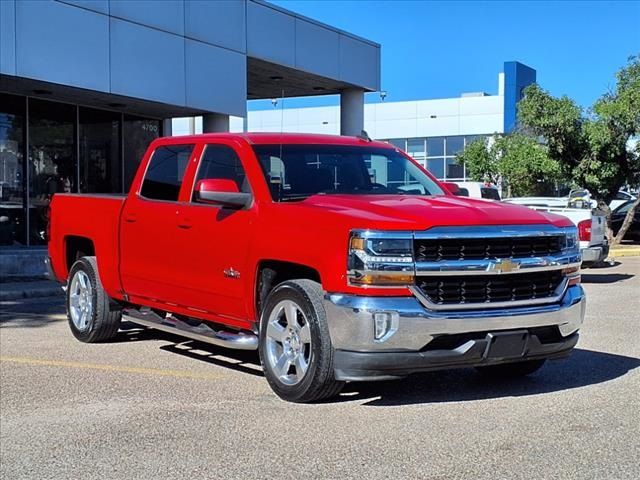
point(571, 238)
point(380, 258)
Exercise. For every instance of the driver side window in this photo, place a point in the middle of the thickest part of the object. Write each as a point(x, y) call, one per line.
point(221, 162)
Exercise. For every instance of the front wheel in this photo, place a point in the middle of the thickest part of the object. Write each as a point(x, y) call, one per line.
point(512, 370)
point(91, 317)
point(295, 347)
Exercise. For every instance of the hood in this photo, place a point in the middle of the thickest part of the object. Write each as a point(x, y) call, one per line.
point(417, 212)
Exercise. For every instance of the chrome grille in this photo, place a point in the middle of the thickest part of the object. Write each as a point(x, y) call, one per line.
point(461, 289)
point(435, 250)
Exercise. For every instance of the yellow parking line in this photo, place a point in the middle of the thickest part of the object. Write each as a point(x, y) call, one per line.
point(111, 368)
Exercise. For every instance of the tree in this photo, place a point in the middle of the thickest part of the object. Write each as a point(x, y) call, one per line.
point(591, 148)
point(519, 161)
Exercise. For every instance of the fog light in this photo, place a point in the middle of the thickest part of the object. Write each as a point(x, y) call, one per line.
point(385, 324)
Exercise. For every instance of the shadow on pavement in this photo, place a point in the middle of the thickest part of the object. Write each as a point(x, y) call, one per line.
point(582, 368)
point(605, 277)
point(239, 360)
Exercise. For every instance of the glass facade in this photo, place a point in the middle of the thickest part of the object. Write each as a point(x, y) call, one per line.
point(70, 149)
point(438, 154)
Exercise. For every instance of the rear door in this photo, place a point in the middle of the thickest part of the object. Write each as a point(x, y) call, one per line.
point(150, 223)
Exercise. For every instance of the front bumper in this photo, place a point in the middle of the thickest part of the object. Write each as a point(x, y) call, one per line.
point(359, 356)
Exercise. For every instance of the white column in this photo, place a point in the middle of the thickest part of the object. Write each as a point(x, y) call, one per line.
point(215, 122)
point(351, 111)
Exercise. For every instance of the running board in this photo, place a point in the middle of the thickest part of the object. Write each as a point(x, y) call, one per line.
point(201, 332)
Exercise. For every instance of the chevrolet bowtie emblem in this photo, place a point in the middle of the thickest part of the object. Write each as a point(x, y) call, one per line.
point(504, 266)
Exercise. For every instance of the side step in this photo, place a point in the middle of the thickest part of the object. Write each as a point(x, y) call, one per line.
point(201, 332)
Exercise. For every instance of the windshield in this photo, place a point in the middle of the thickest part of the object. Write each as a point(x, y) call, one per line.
point(295, 172)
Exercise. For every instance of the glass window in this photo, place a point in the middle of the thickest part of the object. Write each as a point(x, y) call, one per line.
point(416, 147)
point(436, 167)
point(222, 162)
point(12, 208)
point(52, 160)
point(137, 134)
point(340, 169)
point(454, 170)
point(100, 165)
point(490, 193)
point(470, 139)
point(454, 145)
point(163, 178)
point(435, 146)
point(398, 142)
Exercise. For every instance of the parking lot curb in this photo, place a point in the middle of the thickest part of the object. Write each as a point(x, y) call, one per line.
point(35, 289)
point(624, 252)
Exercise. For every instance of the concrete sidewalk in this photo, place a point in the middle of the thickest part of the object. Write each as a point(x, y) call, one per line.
point(29, 289)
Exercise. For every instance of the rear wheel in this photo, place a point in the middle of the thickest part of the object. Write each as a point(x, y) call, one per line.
point(512, 370)
point(295, 346)
point(91, 317)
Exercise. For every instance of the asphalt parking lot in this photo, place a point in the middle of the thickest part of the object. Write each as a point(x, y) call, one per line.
point(147, 406)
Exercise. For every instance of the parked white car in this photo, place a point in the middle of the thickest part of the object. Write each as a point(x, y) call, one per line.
point(479, 190)
point(594, 245)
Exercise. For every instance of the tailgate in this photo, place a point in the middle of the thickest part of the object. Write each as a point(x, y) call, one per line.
point(598, 222)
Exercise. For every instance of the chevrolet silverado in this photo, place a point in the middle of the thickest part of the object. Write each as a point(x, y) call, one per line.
point(337, 258)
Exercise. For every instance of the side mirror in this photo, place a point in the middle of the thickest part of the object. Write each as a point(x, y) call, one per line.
point(222, 192)
point(452, 188)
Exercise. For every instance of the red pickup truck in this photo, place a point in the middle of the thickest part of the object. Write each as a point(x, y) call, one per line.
point(337, 258)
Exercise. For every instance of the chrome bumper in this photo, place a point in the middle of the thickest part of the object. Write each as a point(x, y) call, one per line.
point(594, 254)
point(351, 326)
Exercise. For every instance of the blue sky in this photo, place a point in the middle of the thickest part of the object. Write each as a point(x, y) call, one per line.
point(440, 49)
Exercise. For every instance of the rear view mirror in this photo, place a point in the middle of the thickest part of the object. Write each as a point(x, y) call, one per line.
point(221, 192)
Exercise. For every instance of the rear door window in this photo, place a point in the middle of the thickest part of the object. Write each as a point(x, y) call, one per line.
point(163, 178)
point(489, 193)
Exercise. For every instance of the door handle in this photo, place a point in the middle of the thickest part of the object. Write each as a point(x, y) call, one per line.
point(130, 218)
point(184, 223)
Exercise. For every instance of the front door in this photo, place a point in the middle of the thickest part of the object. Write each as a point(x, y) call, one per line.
point(214, 267)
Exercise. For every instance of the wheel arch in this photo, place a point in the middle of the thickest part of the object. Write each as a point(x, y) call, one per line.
point(270, 273)
point(76, 246)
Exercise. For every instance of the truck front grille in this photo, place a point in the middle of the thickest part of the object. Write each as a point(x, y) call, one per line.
point(461, 289)
point(435, 250)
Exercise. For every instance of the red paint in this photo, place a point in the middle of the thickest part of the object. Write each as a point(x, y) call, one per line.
point(173, 255)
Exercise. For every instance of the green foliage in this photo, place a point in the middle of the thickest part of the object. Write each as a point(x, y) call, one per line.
point(591, 149)
point(521, 162)
point(481, 162)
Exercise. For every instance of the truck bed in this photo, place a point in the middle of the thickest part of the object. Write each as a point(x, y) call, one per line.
point(94, 216)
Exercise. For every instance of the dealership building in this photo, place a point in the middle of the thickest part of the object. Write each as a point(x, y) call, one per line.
point(431, 131)
point(85, 85)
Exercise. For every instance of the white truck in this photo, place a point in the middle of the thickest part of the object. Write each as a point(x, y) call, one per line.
point(594, 245)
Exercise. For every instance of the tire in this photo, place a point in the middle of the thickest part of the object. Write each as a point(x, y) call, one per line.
point(295, 348)
point(512, 370)
point(90, 315)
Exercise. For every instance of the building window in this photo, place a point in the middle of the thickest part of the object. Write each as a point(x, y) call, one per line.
point(435, 146)
point(416, 147)
point(52, 160)
point(137, 134)
point(100, 159)
point(401, 143)
point(454, 171)
point(454, 145)
point(12, 209)
point(436, 167)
